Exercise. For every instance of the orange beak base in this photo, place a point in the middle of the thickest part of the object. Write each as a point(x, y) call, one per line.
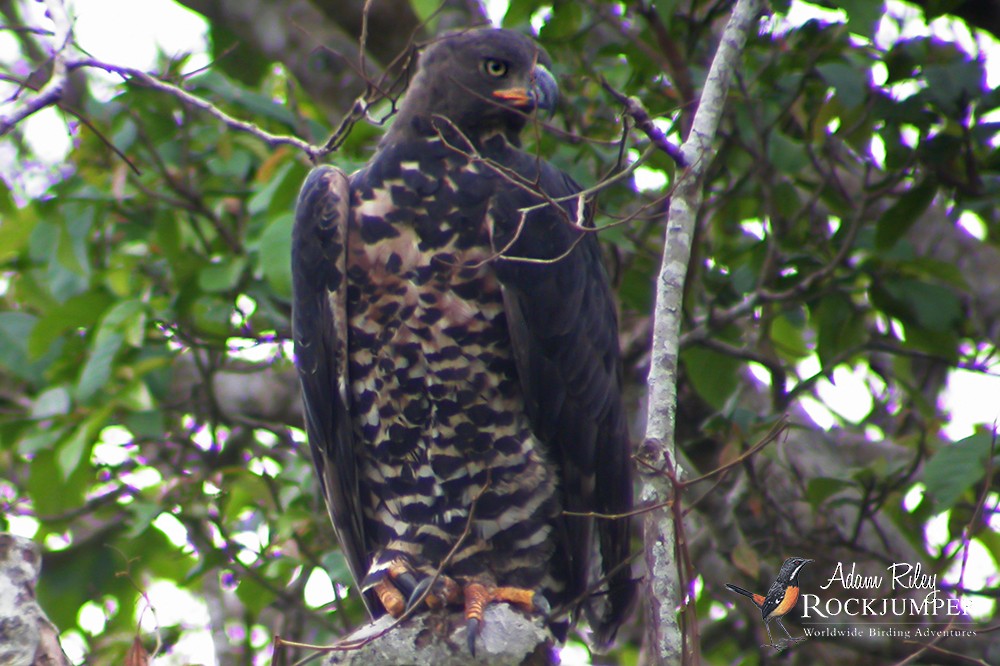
point(517, 97)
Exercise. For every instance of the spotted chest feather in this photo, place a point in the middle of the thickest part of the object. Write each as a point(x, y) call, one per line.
point(438, 406)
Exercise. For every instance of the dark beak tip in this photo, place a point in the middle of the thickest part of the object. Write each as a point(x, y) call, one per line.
point(544, 89)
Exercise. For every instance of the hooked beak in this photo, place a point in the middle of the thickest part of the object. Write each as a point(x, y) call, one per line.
point(541, 94)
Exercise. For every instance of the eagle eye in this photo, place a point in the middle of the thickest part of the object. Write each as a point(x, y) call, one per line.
point(495, 68)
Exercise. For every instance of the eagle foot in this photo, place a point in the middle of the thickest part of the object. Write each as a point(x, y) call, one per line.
point(446, 592)
point(478, 596)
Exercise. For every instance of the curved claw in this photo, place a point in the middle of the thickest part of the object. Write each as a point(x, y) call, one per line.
point(472, 630)
point(418, 591)
point(541, 605)
point(406, 582)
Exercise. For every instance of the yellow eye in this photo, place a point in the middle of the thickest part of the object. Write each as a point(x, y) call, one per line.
point(495, 68)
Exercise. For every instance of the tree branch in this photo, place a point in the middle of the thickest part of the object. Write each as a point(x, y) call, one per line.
point(664, 636)
point(507, 636)
point(53, 90)
point(156, 84)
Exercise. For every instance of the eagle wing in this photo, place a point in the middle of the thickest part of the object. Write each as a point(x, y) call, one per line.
point(319, 326)
point(564, 330)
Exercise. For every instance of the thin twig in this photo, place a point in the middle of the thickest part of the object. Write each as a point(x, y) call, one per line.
point(105, 140)
point(142, 78)
point(635, 110)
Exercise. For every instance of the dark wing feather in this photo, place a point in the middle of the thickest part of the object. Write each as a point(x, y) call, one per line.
point(564, 330)
point(319, 326)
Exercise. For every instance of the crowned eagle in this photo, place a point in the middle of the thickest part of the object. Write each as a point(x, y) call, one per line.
point(457, 345)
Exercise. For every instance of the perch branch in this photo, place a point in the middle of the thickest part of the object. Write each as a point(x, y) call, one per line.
point(664, 598)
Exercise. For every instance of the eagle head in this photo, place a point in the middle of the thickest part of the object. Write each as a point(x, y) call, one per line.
point(485, 81)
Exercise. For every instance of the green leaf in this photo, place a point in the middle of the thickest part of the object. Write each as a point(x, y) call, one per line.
point(237, 58)
point(713, 375)
point(898, 218)
point(956, 468)
point(15, 331)
point(788, 155)
point(80, 312)
point(850, 83)
point(820, 489)
point(838, 327)
point(786, 198)
point(564, 22)
point(519, 13)
point(931, 306)
point(211, 315)
point(425, 9)
point(148, 423)
point(953, 86)
point(788, 337)
point(128, 318)
point(223, 276)
point(88, 568)
point(245, 491)
point(335, 565)
point(97, 370)
point(52, 493)
point(250, 102)
point(862, 15)
point(53, 402)
point(75, 449)
point(255, 596)
point(234, 165)
point(15, 229)
point(40, 440)
point(71, 450)
point(274, 254)
point(278, 194)
point(74, 236)
point(143, 514)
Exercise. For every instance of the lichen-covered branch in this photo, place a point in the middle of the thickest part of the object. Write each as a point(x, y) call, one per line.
point(26, 635)
point(664, 638)
point(507, 637)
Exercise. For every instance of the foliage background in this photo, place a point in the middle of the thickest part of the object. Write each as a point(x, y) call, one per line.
point(150, 423)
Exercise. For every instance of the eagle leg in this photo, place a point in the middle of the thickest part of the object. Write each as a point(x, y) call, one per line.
point(478, 596)
point(391, 598)
point(395, 586)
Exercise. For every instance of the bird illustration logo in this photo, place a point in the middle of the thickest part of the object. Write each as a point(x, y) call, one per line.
point(781, 597)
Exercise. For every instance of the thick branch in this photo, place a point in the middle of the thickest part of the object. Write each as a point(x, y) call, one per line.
point(663, 600)
point(506, 637)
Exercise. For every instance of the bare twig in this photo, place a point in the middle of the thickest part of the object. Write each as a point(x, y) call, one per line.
point(142, 78)
point(105, 140)
point(27, 29)
point(635, 110)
